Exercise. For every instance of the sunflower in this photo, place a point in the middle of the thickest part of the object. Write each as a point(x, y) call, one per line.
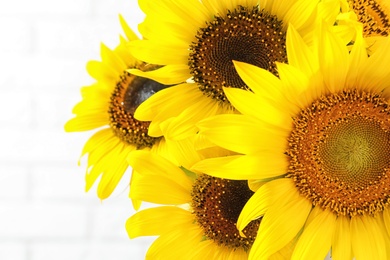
point(108, 105)
point(197, 215)
point(197, 41)
point(319, 138)
point(374, 15)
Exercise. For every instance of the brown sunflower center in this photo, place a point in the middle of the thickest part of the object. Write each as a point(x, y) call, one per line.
point(340, 153)
point(374, 15)
point(217, 203)
point(248, 35)
point(128, 94)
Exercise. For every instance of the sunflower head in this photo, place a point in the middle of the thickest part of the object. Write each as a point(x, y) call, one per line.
point(245, 34)
point(217, 203)
point(339, 152)
point(209, 206)
point(128, 94)
point(374, 15)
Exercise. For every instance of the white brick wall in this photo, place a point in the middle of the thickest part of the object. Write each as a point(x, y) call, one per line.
point(44, 212)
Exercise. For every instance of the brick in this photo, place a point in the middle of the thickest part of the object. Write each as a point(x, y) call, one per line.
point(61, 38)
point(128, 9)
point(52, 109)
point(16, 106)
point(12, 251)
point(45, 7)
point(59, 251)
point(63, 182)
point(42, 221)
point(110, 217)
point(14, 183)
point(18, 36)
point(89, 250)
point(36, 146)
point(118, 251)
point(42, 72)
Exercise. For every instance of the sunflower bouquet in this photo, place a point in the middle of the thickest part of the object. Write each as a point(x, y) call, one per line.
point(259, 129)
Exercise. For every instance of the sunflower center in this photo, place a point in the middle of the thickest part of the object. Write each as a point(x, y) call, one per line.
point(248, 35)
point(128, 94)
point(374, 15)
point(217, 203)
point(353, 151)
point(339, 153)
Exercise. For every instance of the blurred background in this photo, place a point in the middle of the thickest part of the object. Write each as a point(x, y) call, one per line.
point(44, 211)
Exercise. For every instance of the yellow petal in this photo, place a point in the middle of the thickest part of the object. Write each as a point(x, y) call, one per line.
point(107, 157)
point(261, 81)
point(155, 27)
point(123, 52)
point(278, 8)
point(329, 10)
point(131, 36)
point(157, 221)
point(367, 238)
point(264, 198)
point(97, 91)
point(299, 54)
point(334, 60)
point(358, 58)
point(242, 134)
point(159, 190)
point(250, 104)
point(111, 59)
point(157, 180)
point(300, 13)
point(280, 224)
point(192, 12)
point(101, 142)
point(316, 239)
point(102, 72)
point(85, 123)
point(254, 185)
point(156, 53)
point(341, 244)
point(97, 107)
point(168, 75)
point(168, 102)
point(115, 168)
point(184, 125)
point(205, 249)
point(176, 244)
point(183, 152)
point(374, 74)
point(152, 165)
point(261, 165)
point(386, 218)
point(295, 84)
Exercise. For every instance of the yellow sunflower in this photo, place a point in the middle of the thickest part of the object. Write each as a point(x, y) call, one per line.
point(374, 15)
point(197, 215)
point(197, 41)
point(320, 139)
point(108, 106)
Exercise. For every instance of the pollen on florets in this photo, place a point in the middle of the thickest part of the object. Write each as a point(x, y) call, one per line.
point(374, 15)
point(248, 35)
point(217, 203)
point(339, 153)
point(128, 94)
